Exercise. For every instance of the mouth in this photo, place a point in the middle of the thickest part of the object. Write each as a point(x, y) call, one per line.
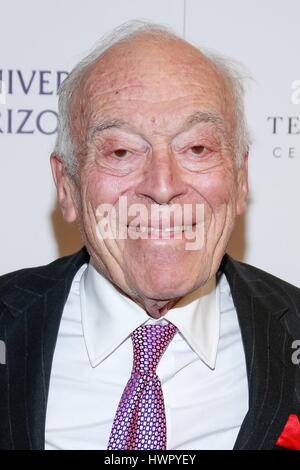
point(176, 231)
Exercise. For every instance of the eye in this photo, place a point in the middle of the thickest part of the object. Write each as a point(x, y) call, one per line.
point(197, 149)
point(120, 153)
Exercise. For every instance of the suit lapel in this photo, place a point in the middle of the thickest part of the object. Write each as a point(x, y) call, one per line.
point(267, 347)
point(33, 310)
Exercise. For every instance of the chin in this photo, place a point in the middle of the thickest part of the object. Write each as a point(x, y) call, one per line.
point(165, 286)
point(166, 274)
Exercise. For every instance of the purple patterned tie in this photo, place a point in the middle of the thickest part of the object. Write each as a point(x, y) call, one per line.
point(140, 422)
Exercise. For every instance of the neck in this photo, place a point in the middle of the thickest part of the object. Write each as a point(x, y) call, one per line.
point(156, 308)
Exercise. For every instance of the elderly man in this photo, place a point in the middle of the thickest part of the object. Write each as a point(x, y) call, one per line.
point(150, 337)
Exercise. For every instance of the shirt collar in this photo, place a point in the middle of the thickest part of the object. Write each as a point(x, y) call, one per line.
point(109, 317)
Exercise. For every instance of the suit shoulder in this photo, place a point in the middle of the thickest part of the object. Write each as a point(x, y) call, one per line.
point(55, 270)
point(250, 272)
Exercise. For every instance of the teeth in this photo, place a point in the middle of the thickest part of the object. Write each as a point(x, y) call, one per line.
point(177, 228)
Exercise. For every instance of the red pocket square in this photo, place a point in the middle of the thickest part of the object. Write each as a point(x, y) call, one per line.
point(290, 436)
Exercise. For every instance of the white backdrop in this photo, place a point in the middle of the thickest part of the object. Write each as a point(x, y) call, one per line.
point(40, 41)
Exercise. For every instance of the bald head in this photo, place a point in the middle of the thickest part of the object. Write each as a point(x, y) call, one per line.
point(148, 69)
point(138, 62)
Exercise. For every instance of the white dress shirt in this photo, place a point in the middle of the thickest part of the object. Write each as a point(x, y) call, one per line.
point(203, 370)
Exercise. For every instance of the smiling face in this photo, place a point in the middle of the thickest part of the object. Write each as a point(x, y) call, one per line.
point(154, 125)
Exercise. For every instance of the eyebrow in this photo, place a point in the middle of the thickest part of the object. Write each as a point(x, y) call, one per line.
point(103, 125)
point(205, 116)
point(195, 118)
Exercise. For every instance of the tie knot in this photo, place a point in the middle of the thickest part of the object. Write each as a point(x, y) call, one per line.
point(149, 344)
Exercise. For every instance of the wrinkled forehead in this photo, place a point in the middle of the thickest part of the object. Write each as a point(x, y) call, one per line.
point(150, 80)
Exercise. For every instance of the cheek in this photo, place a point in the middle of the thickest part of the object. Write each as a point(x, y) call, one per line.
point(102, 189)
point(216, 188)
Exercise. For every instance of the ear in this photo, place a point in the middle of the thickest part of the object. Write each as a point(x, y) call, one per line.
point(65, 188)
point(242, 186)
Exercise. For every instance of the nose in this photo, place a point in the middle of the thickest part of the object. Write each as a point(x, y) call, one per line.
point(162, 180)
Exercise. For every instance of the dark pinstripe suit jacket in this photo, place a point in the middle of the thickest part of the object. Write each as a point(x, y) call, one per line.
point(31, 305)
